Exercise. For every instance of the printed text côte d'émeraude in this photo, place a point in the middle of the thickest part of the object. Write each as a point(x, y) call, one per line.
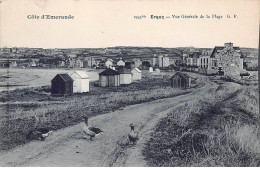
point(50, 17)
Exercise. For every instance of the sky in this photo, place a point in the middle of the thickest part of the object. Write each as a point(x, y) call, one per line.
point(109, 23)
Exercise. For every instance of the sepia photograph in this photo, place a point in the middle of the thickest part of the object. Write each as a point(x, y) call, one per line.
point(129, 83)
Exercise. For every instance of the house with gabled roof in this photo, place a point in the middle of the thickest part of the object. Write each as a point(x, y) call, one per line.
point(89, 61)
point(193, 59)
point(227, 59)
point(78, 63)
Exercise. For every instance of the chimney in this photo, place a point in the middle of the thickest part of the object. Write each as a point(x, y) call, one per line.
point(228, 45)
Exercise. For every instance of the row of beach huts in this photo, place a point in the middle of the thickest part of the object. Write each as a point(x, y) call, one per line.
point(78, 81)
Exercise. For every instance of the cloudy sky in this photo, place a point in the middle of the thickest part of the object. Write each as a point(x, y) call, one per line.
point(107, 23)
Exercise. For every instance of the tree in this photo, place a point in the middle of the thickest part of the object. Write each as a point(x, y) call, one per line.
point(146, 64)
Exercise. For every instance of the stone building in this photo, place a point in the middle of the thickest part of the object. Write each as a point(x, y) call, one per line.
point(227, 59)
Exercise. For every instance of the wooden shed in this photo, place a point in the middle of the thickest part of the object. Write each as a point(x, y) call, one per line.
point(126, 76)
point(180, 80)
point(62, 84)
point(137, 74)
point(109, 78)
point(80, 81)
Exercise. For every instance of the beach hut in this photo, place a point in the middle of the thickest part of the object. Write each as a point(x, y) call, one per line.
point(109, 78)
point(109, 63)
point(137, 74)
point(62, 84)
point(80, 81)
point(120, 62)
point(180, 80)
point(150, 69)
point(126, 76)
point(157, 70)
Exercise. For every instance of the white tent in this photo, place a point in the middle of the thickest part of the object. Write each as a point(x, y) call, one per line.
point(81, 81)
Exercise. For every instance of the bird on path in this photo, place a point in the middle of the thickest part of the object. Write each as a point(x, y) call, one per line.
point(43, 133)
point(91, 131)
point(133, 135)
point(39, 133)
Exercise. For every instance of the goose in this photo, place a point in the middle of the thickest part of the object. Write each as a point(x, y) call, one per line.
point(39, 133)
point(133, 136)
point(91, 131)
point(43, 133)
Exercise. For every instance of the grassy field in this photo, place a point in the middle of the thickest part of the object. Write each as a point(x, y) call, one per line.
point(59, 112)
point(219, 129)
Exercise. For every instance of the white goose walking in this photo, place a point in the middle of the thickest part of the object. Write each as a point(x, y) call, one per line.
point(91, 131)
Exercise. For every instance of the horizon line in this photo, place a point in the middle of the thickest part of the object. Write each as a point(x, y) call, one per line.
point(119, 46)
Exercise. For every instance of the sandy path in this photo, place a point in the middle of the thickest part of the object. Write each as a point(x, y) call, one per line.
point(66, 147)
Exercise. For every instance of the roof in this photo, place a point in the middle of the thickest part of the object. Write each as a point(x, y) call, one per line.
point(108, 71)
point(195, 54)
point(221, 48)
point(183, 75)
point(117, 60)
point(81, 74)
point(110, 60)
point(137, 70)
point(104, 61)
point(123, 70)
point(189, 49)
point(65, 77)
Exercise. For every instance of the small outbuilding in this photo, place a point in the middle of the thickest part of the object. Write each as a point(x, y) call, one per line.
point(150, 69)
point(120, 62)
point(180, 80)
point(109, 78)
point(109, 63)
point(126, 76)
point(80, 81)
point(62, 84)
point(157, 70)
point(137, 74)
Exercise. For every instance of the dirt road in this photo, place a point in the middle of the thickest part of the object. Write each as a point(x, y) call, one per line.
point(67, 147)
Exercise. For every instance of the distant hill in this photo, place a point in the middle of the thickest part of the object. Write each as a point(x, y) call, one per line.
point(146, 52)
point(125, 52)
